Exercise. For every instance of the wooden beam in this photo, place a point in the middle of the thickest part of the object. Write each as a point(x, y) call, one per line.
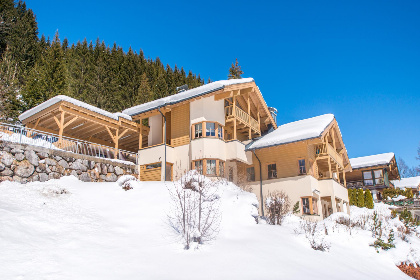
point(141, 134)
point(70, 122)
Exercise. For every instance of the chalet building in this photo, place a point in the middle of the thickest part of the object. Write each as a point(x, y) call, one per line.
point(412, 183)
point(374, 172)
point(306, 159)
point(221, 129)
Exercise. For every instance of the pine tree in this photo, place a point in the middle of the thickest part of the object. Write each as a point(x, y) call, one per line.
point(350, 195)
point(9, 101)
point(368, 199)
point(360, 198)
point(235, 71)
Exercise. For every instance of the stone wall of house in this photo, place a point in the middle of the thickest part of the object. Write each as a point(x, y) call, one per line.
point(25, 163)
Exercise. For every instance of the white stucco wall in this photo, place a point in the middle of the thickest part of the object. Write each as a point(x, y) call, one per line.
point(155, 134)
point(207, 109)
point(208, 148)
point(235, 150)
point(156, 154)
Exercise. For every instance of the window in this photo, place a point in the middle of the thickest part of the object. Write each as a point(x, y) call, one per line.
point(211, 167)
point(250, 174)
point(305, 206)
point(221, 168)
point(375, 177)
point(210, 129)
point(302, 167)
point(314, 206)
point(220, 131)
point(272, 171)
point(230, 174)
point(198, 130)
point(199, 166)
point(367, 178)
point(379, 177)
point(154, 165)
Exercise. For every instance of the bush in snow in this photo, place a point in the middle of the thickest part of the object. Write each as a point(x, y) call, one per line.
point(195, 208)
point(278, 206)
point(368, 199)
point(360, 198)
point(296, 209)
point(125, 182)
point(315, 235)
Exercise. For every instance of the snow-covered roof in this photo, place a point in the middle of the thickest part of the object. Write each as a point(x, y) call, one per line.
point(374, 160)
point(294, 131)
point(73, 101)
point(185, 95)
point(411, 182)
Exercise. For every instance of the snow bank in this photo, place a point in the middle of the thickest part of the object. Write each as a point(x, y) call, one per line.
point(411, 182)
point(59, 98)
point(374, 160)
point(185, 95)
point(99, 231)
point(294, 131)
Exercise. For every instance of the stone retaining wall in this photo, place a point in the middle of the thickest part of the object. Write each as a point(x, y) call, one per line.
point(25, 163)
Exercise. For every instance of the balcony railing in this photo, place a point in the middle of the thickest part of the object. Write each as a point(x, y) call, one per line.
point(23, 135)
point(242, 116)
point(326, 149)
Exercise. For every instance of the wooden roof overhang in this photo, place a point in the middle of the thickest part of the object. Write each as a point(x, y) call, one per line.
point(66, 119)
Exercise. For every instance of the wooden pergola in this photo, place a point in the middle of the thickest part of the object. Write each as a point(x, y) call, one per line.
point(69, 120)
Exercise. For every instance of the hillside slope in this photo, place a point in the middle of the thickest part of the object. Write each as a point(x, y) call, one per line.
point(99, 231)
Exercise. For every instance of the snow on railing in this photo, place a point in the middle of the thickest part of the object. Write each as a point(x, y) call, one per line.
point(24, 135)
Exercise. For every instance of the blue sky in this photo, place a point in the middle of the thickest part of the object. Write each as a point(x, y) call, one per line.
point(359, 60)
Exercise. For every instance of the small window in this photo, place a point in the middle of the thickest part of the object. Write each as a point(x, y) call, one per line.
point(220, 131)
point(314, 206)
point(250, 174)
point(230, 174)
point(198, 130)
point(211, 167)
point(272, 171)
point(367, 178)
point(210, 129)
point(302, 167)
point(379, 177)
point(221, 168)
point(154, 165)
point(199, 166)
point(305, 206)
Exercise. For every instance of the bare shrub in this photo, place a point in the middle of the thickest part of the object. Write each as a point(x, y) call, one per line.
point(314, 236)
point(277, 204)
point(195, 208)
point(242, 180)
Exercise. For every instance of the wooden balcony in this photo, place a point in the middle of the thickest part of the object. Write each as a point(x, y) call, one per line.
point(232, 112)
point(325, 150)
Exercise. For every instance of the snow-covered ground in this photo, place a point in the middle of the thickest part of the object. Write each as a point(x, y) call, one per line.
point(68, 229)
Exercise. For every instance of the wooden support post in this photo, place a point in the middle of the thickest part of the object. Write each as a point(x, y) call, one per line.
point(338, 172)
point(329, 166)
point(60, 124)
point(141, 135)
point(344, 178)
point(116, 143)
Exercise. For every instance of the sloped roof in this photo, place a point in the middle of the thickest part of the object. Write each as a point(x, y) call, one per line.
point(294, 131)
point(185, 95)
point(411, 182)
point(73, 101)
point(374, 160)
